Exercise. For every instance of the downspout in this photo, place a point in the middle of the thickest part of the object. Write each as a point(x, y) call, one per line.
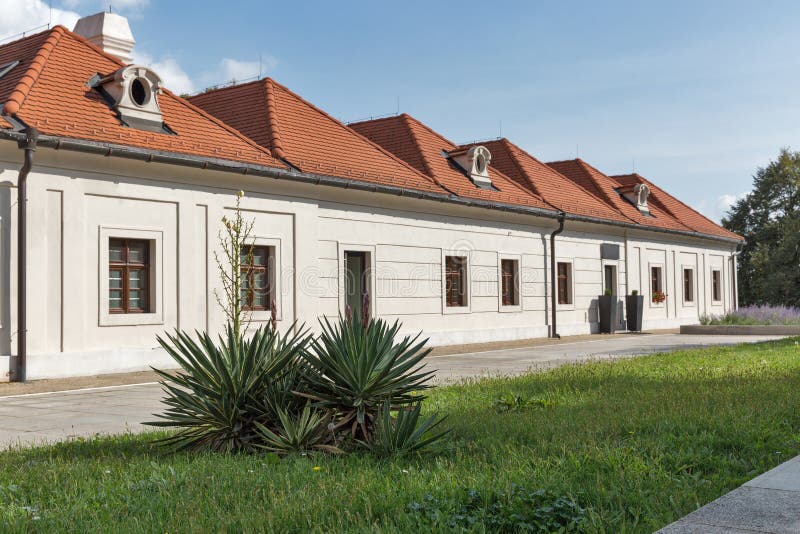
point(553, 289)
point(29, 146)
point(735, 275)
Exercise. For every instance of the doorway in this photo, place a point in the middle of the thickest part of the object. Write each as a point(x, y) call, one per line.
point(356, 281)
point(610, 279)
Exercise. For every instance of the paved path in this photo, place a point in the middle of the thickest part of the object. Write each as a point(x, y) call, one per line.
point(768, 503)
point(35, 418)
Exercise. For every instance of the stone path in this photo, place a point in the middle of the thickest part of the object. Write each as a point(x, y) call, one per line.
point(42, 417)
point(768, 503)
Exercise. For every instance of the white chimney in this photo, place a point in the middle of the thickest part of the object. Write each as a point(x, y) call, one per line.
point(110, 32)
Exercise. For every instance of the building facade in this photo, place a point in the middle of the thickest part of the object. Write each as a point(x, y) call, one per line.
point(129, 184)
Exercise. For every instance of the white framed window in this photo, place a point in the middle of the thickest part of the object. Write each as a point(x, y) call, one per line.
point(716, 286)
point(610, 279)
point(130, 276)
point(456, 281)
point(565, 284)
point(510, 296)
point(688, 285)
point(658, 295)
point(261, 282)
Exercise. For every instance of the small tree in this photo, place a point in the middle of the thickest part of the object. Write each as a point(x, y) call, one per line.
point(234, 238)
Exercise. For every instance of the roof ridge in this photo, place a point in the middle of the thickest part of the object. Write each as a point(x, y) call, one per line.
point(17, 96)
point(352, 131)
point(551, 169)
point(510, 148)
point(406, 119)
point(651, 184)
point(511, 181)
point(177, 98)
point(272, 121)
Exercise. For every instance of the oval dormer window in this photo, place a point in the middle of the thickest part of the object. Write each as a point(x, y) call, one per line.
point(480, 163)
point(140, 93)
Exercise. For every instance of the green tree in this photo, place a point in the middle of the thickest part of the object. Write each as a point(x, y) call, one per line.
point(769, 219)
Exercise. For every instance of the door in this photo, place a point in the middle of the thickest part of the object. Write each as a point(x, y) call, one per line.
point(610, 279)
point(355, 281)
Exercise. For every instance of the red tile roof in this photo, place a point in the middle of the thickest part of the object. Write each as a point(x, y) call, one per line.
point(557, 190)
point(307, 137)
point(48, 90)
point(606, 188)
point(677, 209)
point(424, 149)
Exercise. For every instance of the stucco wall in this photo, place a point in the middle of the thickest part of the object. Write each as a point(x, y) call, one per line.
point(76, 202)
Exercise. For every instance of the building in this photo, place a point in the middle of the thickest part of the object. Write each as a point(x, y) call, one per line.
point(125, 185)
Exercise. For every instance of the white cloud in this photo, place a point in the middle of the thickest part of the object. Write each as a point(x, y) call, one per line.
point(175, 78)
point(233, 69)
point(720, 209)
point(23, 15)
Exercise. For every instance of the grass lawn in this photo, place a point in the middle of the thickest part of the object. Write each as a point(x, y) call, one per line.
point(637, 443)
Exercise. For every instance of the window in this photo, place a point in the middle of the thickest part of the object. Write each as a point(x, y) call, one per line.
point(256, 290)
point(688, 285)
point(657, 285)
point(455, 272)
point(564, 283)
point(509, 282)
point(716, 285)
point(128, 276)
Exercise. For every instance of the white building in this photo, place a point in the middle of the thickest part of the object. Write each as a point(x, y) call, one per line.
point(128, 183)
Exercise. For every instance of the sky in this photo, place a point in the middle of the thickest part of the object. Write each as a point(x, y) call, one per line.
point(695, 96)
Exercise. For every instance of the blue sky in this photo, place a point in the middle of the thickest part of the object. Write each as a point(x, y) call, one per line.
point(694, 95)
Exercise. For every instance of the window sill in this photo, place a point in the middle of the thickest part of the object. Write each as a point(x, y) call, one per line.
point(514, 308)
point(454, 310)
point(131, 319)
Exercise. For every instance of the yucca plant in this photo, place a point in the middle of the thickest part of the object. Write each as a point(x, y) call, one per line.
point(405, 433)
point(307, 431)
point(223, 389)
point(353, 368)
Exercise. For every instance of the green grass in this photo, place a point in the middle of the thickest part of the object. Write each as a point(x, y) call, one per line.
point(637, 443)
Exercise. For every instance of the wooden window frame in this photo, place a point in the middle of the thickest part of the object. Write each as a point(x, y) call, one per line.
point(657, 284)
point(509, 282)
point(455, 265)
point(716, 286)
point(688, 284)
point(564, 281)
point(249, 272)
point(126, 266)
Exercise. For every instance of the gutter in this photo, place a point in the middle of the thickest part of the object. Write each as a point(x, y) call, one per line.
point(199, 162)
point(28, 144)
point(553, 300)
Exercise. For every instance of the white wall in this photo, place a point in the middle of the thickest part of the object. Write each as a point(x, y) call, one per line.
point(76, 201)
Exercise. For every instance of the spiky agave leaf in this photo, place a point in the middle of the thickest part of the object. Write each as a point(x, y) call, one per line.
point(354, 368)
point(219, 393)
point(405, 433)
point(306, 431)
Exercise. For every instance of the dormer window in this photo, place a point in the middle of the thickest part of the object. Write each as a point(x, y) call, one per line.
point(637, 195)
point(133, 92)
point(475, 162)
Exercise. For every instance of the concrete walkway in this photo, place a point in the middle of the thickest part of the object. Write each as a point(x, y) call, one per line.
point(768, 503)
point(44, 417)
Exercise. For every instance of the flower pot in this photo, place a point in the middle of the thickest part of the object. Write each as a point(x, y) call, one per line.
point(634, 308)
point(607, 308)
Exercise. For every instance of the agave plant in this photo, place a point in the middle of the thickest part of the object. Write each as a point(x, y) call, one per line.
point(306, 432)
point(406, 433)
point(353, 368)
point(223, 389)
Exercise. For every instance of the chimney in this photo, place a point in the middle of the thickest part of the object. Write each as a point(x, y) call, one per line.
point(110, 32)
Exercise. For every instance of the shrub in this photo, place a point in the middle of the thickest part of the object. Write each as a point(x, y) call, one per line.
point(756, 315)
point(404, 433)
point(353, 368)
point(223, 390)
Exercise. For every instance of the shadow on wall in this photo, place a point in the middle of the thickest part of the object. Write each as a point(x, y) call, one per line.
point(5, 267)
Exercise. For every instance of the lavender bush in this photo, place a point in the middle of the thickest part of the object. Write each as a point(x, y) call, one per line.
point(766, 315)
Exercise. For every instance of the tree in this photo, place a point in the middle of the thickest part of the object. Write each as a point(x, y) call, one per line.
point(769, 219)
